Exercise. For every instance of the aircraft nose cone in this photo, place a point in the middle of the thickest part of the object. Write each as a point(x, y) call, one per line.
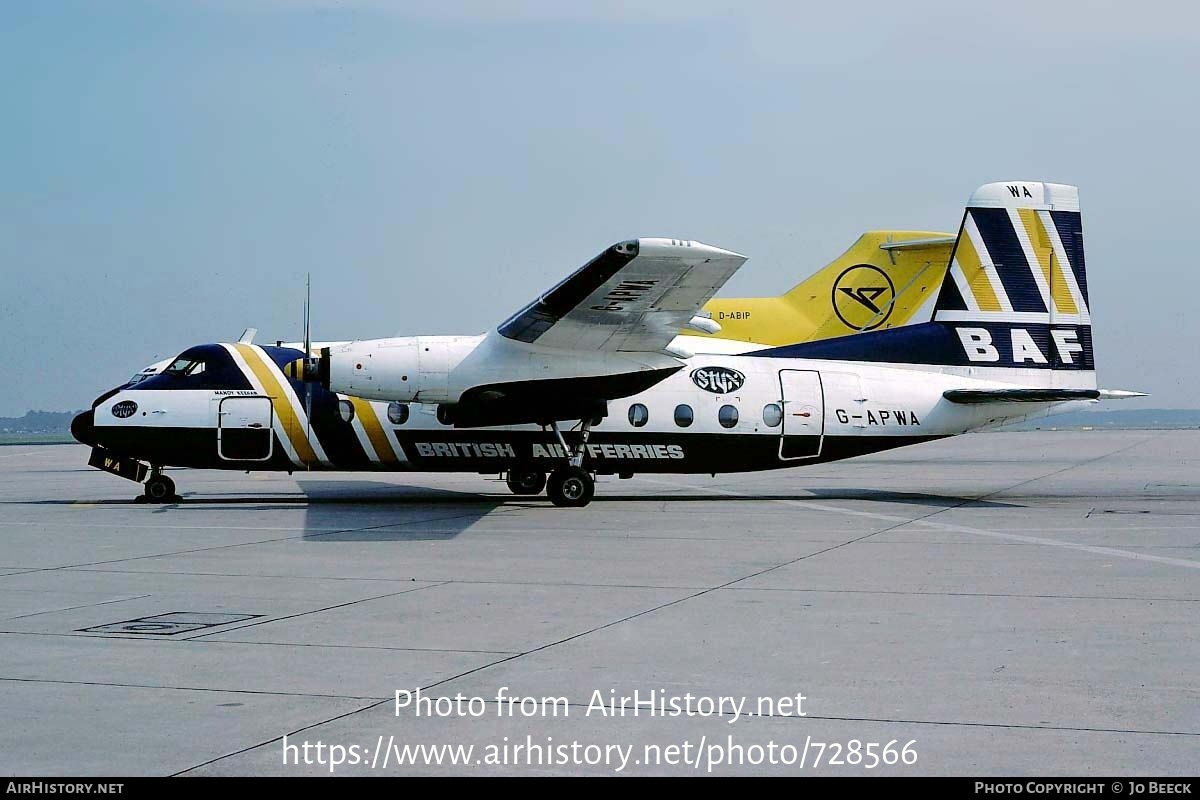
point(83, 428)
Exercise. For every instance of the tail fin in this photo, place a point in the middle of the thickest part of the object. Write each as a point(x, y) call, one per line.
point(1016, 291)
point(1013, 299)
point(884, 280)
point(1018, 257)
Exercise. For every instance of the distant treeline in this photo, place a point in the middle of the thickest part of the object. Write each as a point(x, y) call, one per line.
point(38, 422)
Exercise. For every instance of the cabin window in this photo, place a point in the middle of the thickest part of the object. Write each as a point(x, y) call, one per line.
point(397, 413)
point(638, 415)
point(727, 416)
point(346, 410)
point(683, 415)
point(772, 415)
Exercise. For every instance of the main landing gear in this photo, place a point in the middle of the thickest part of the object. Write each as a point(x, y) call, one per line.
point(572, 486)
point(525, 481)
point(159, 489)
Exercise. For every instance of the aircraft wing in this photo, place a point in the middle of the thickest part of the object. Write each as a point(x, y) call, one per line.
point(633, 297)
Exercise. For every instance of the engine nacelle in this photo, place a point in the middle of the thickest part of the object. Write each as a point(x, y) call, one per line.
point(490, 379)
point(408, 368)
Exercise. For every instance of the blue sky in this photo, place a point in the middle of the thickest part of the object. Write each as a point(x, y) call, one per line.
point(172, 170)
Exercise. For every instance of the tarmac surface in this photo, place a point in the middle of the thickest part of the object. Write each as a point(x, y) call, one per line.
point(1008, 603)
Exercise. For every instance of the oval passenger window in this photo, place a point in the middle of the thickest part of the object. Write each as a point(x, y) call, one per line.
point(683, 415)
point(638, 415)
point(772, 415)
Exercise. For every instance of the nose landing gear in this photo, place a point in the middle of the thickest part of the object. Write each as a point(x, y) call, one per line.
point(159, 489)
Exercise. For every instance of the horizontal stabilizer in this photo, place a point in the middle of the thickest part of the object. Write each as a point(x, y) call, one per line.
point(975, 396)
point(919, 244)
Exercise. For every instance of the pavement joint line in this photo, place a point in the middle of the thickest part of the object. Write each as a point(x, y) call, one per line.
point(957, 528)
point(256, 623)
point(906, 721)
point(466, 581)
point(1115, 598)
point(364, 647)
point(531, 651)
point(824, 718)
point(379, 580)
point(229, 546)
point(190, 688)
point(582, 585)
point(75, 608)
point(143, 638)
point(255, 746)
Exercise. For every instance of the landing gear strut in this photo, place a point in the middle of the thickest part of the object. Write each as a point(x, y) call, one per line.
point(159, 488)
point(525, 481)
point(572, 486)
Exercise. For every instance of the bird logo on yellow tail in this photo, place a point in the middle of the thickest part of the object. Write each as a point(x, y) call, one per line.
point(863, 297)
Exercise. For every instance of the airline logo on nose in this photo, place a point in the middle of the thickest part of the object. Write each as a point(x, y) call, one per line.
point(863, 297)
point(124, 409)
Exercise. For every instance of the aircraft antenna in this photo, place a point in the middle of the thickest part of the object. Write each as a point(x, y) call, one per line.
point(308, 365)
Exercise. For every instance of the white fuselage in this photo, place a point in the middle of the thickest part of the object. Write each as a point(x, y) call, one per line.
point(785, 412)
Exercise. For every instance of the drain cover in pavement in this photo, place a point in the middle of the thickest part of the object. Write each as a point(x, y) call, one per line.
point(170, 624)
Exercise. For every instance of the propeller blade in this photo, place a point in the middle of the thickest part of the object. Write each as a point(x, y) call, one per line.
point(308, 315)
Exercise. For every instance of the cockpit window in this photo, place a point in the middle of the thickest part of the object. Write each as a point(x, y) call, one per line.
point(185, 366)
point(206, 366)
point(139, 377)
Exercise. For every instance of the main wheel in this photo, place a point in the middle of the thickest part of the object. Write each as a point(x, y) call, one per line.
point(525, 482)
point(571, 487)
point(160, 489)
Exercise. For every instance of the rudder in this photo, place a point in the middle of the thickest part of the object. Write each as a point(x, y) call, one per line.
point(1018, 272)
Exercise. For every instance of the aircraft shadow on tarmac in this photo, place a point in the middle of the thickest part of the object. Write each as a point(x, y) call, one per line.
point(364, 511)
point(377, 493)
point(391, 512)
point(380, 511)
point(366, 494)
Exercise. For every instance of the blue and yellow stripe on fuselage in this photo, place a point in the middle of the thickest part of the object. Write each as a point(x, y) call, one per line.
point(308, 424)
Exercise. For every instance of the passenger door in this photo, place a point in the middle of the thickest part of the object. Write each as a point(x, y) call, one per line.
point(244, 428)
point(803, 414)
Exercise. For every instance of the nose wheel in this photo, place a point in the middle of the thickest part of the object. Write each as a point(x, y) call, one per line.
point(159, 489)
point(571, 487)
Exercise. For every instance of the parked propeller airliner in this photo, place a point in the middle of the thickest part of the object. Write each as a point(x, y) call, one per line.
point(1008, 336)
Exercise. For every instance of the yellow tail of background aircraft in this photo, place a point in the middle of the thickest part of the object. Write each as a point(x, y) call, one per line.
point(886, 279)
